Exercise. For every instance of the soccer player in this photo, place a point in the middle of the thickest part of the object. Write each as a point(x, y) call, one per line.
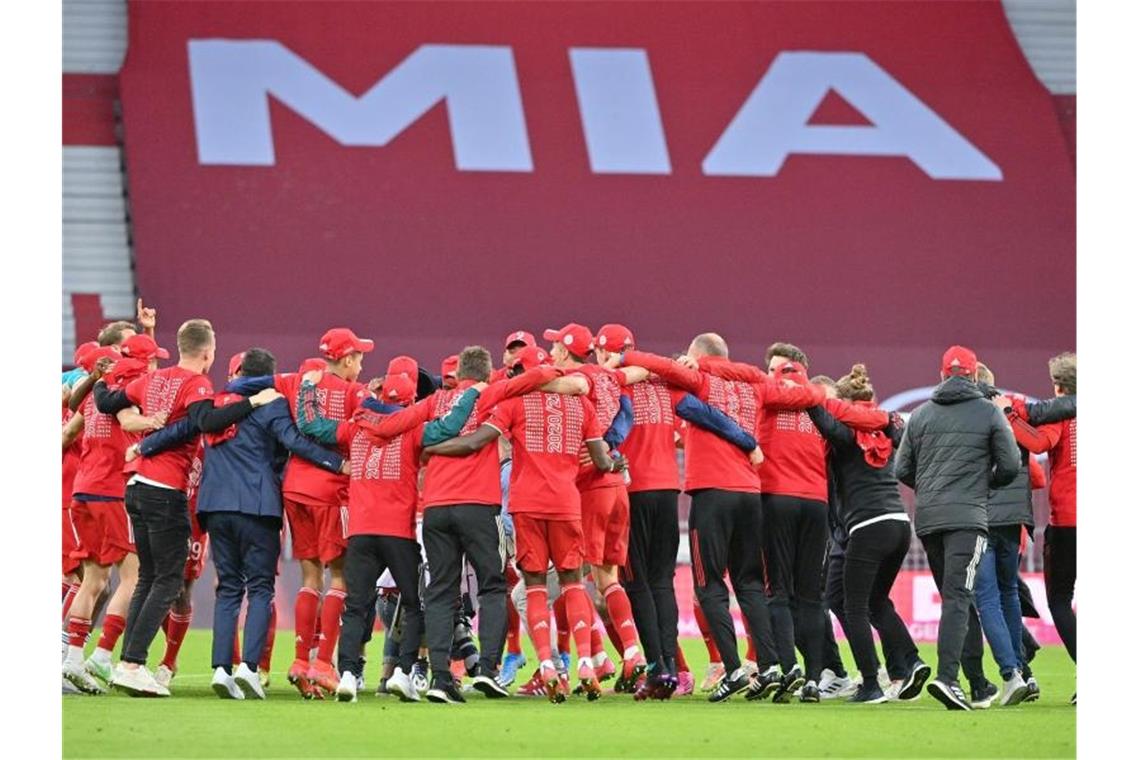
point(316, 508)
point(547, 430)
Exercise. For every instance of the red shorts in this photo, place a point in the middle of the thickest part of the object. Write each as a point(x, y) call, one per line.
point(70, 544)
point(105, 532)
point(199, 546)
point(539, 541)
point(320, 532)
point(605, 525)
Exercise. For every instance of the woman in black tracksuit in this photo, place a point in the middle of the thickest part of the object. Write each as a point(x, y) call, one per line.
point(879, 534)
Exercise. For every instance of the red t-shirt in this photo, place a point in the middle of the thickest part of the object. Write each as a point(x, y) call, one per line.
point(104, 447)
point(605, 395)
point(337, 399)
point(547, 431)
point(472, 479)
point(70, 461)
point(1062, 472)
point(795, 456)
point(172, 390)
point(382, 493)
point(649, 447)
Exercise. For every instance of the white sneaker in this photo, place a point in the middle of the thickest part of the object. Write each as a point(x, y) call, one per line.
point(68, 688)
point(163, 675)
point(138, 682)
point(99, 665)
point(892, 691)
point(1013, 690)
point(224, 685)
point(248, 682)
point(750, 667)
point(836, 687)
point(884, 679)
point(263, 676)
point(77, 676)
point(346, 689)
point(360, 684)
point(401, 685)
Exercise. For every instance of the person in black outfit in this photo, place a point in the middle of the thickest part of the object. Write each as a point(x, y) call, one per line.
point(878, 531)
point(956, 447)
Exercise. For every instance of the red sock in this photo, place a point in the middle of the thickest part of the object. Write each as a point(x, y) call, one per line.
point(703, 624)
point(597, 646)
point(330, 623)
point(175, 632)
point(751, 653)
point(682, 664)
point(513, 645)
point(538, 621)
point(579, 612)
point(77, 630)
point(270, 635)
point(237, 644)
point(615, 640)
point(561, 619)
point(113, 627)
point(305, 616)
point(69, 592)
point(617, 603)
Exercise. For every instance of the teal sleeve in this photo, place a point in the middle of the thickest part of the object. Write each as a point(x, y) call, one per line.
point(449, 425)
point(309, 419)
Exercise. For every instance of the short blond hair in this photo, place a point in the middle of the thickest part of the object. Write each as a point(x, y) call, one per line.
point(194, 336)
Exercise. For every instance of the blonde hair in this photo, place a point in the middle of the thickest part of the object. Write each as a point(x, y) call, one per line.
point(985, 374)
point(1063, 371)
point(856, 385)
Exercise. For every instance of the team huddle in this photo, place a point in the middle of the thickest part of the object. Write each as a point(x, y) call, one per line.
point(465, 507)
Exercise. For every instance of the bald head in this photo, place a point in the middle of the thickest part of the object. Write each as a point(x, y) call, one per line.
point(708, 344)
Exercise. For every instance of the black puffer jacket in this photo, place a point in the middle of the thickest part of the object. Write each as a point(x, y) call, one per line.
point(956, 447)
point(1011, 504)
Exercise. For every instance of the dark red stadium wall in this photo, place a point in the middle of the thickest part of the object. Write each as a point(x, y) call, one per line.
point(855, 258)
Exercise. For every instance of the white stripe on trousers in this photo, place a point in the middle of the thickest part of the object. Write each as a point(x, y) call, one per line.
point(971, 569)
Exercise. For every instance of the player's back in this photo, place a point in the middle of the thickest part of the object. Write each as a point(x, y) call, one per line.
point(337, 400)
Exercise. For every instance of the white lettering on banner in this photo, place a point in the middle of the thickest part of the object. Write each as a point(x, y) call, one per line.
point(231, 81)
point(618, 105)
point(773, 122)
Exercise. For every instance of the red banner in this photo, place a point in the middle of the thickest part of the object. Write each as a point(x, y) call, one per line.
point(852, 176)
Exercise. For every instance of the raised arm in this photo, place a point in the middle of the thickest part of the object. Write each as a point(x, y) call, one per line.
point(80, 390)
point(214, 419)
point(1054, 410)
point(670, 371)
point(696, 412)
point(531, 380)
point(723, 368)
point(779, 396)
point(281, 424)
point(108, 401)
point(855, 416)
point(464, 445)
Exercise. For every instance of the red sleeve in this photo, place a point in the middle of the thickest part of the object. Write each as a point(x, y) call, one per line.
point(778, 396)
point(503, 415)
point(529, 381)
point(357, 392)
point(591, 428)
point(723, 368)
point(345, 431)
point(1036, 474)
point(197, 388)
point(285, 385)
point(855, 416)
point(136, 389)
point(384, 427)
point(1037, 440)
point(670, 371)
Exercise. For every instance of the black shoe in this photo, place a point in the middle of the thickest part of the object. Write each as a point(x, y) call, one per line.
point(868, 694)
point(791, 681)
point(445, 691)
point(951, 695)
point(1073, 701)
point(914, 682)
point(732, 683)
point(809, 692)
point(763, 685)
point(489, 687)
point(1033, 692)
point(983, 695)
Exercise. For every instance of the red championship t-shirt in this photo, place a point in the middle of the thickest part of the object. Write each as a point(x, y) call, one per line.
point(605, 395)
point(337, 399)
point(650, 447)
point(382, 492)
point(472, 479)
point(172, 390)
point(102, 454)
point(547, 431)
point(1062, 472)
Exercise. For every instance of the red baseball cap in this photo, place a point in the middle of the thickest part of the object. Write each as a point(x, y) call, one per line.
point(450, 365)
point(959, 360)
point(577, 338)
point(614, 338)
point(235, 363)
point(531, 357)
point(404, 364)
point(520, 336)
point(91, 357)
point(339, 342)
point(82, 349)
point(143, 348)
point(400, 388)
point(312, 364)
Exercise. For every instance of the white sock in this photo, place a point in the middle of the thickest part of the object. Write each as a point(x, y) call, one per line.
point(630, 652)
point(101, 654)
point(546, 664)
point(600, 659)
point(75, 655)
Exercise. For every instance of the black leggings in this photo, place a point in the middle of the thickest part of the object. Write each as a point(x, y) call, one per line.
point(1060, 580)
point(654, 537)
point(874, 555)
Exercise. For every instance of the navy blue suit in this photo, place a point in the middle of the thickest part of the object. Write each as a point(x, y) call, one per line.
point(239, 505)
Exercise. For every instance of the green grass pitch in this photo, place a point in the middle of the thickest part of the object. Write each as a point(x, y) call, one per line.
point(195, 723)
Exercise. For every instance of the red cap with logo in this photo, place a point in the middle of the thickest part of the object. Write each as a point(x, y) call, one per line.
point(404, 364)
point(400, 388)
point(143, 348)
point(959, 360)
point(91, 357)
point(312, 364)
point(530, 357)
point(614, 338)
point(450, 366)
point(81, 350)
point(339, 342)
point(235, 363)
point(577, 338)
point(520, 336)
